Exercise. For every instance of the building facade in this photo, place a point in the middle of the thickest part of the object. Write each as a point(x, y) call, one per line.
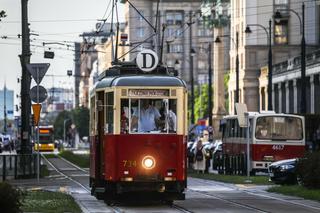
point(286, 84)
point(253, 47)
point(178, 17)
point(6, 103)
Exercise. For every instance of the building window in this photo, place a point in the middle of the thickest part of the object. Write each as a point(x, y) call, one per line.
point(170, 63)
point(174, 18)
point(140, 16)
point(140, 32)
point(202, 65)
point(281, 5)
point(176, 48)
point(281, 32)
point(241, 61)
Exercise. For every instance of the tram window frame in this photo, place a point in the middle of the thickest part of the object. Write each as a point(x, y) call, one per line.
point(109, 114)
point(131, 106)
point(92, 115)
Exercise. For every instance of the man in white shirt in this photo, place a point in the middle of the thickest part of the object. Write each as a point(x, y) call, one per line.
point(147, 117)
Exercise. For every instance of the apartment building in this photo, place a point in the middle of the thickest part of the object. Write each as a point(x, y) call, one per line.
point(178, 16)
point(253, 47)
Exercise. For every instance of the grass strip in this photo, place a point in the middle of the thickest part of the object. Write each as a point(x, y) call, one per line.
point(50, 155)
point(81, 160)
point(235, 179)
point(298, 191)
point(49, 202)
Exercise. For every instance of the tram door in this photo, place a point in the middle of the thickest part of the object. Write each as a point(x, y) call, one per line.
point(100, 134)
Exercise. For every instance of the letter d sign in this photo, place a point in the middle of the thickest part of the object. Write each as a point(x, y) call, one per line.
point(147, 60)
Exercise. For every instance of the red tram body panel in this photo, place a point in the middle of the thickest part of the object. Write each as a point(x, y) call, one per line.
point(129, 151)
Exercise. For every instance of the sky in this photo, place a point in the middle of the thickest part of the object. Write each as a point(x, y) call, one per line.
point(52, 21)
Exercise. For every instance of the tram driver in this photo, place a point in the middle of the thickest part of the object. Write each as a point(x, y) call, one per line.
point(147, 118)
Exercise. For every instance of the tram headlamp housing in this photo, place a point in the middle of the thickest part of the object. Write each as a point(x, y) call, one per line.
point(148, 162)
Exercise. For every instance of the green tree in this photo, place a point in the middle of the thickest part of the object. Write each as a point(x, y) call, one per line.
point(2, 14)
point(201, 102)
point(226, 86)
point(59, 122)
point(80, 117)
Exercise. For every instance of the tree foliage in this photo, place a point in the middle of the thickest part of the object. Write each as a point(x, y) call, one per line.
point(226, 79)
point(2, 14)
point(79, 117)
point(201, 102)
point(59, 123)
point(10, 198)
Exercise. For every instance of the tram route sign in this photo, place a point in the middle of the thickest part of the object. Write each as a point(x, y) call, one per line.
point(147, 60)
point(241, 111)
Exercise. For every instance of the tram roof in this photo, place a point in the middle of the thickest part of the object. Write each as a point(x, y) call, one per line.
point(140, 80)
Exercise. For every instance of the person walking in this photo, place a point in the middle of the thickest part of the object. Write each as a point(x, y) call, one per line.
point(200, 159)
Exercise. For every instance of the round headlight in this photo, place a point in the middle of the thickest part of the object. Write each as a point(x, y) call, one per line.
point(148, 162)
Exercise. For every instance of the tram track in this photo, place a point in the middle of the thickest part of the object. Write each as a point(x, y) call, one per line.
point(63, 173)
point(249, 207)
point(255, 193)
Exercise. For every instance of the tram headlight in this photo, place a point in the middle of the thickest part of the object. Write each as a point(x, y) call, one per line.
point(148, 162)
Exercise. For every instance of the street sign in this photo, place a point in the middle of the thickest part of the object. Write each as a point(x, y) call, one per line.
point(241, 110)
point(48, 54)
point(124, 37)
point(147, 60)
point(36, 108)
point(38, 70)
point(42, 94)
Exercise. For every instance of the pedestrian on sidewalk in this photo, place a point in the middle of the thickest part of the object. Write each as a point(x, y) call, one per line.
point(200, 157)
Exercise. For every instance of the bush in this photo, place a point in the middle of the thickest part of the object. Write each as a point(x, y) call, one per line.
point(308, 170)
point(10, 198)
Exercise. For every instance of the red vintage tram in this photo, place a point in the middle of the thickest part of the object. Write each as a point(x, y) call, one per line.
point(273, 137)
point(132, 155)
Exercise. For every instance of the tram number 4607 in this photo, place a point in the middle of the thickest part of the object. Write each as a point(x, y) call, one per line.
point(278, 147)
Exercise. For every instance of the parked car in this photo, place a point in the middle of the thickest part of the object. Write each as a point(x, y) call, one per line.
point(284, 171)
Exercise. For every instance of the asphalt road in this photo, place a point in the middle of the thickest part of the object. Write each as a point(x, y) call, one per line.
point(201, 195)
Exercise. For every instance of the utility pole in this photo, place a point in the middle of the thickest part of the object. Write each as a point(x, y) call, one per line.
point(270, 107)
point(5, 109)
point(237, 69)
point(191, 68)
point(210, 89)
point(26, 80)
point(303, 104)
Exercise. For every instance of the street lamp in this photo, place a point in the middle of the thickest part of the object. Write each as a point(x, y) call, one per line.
point(277, 17)
point(192, 54)
point(236, 43)
point(248, 30)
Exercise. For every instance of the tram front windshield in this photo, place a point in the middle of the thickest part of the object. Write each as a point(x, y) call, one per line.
point(148, 116)
point(279, 128)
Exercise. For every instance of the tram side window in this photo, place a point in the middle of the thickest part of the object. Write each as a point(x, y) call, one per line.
point(124, 116)
point(109, 112)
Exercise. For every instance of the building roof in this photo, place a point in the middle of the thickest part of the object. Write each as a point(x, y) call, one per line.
point(140, 80)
